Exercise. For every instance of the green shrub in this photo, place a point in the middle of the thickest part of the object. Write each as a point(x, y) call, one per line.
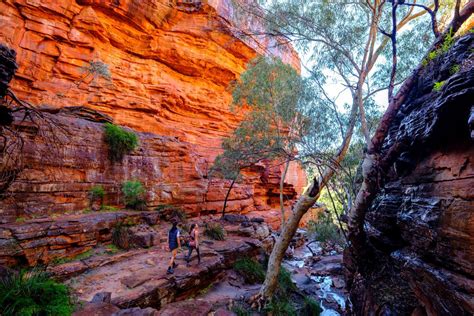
point(454, 69)
point(445, 47)
point(250, 270)
point(109, 208)
point(240, 311)
point(438, 86)
point(214, 231)
point(120, 141)
point(311, 307)
point(324, 230)
point(280, 307)
point(96, 193)
point(285, 283)
point(112, 249)
point(81, 256)
point(134, 194)
point(448, 42)
point(33, 293)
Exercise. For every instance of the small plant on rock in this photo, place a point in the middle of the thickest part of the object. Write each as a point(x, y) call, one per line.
point(454, 69)
point(438, 86)
point(311, 307)
point(214, 231)
point(120, 141)
point(96, 194)
point(240, 311)
point(33, 293)
point(134, 194)
point(250, 270)
point(280, 307)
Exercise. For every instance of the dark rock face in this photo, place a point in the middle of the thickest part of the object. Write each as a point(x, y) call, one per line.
point(8, 67)
point(420, 226)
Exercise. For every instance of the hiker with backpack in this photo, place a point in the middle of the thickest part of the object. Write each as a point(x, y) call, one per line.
point(193, 243)
point(173, 245)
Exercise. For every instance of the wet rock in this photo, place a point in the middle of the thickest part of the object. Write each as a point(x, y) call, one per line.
point(328, 265)
point(102, 297)
point(338, 283)
point(419, 226)
point(235, 218)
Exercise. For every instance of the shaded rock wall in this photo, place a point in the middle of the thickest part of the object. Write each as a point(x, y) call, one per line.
point(169, 70)
point(420, 226)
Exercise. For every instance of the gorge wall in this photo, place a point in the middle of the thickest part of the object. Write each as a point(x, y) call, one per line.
point(420, 227)
point(159, 67)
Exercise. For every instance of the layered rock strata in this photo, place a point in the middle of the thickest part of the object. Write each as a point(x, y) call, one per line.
point(42, 241)
point(153, 66)
point(420, 226)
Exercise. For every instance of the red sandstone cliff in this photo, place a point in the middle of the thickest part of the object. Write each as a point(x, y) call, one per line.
point(170, 67)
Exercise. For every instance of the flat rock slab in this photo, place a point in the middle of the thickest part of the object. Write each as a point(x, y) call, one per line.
point(141, 280)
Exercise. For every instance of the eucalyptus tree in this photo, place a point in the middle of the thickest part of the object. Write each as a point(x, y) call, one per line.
point(272, 94)
point(341, 43)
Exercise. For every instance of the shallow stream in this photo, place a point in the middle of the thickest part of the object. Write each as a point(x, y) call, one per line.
point(319, 283)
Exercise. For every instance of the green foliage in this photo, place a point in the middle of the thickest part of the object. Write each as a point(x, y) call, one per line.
point(325, 230)
point(280, 307)
point(112, 249)
point(250, 270)
point(81, 256)
point(454, 69)
point(96, 193)
point(438, 86)
point(285, 284)
point(33, 293)
point(240, 311)
point(214, 231)
point(109, 208)
point(20, 219)
point(134, 194)
point(311, 307)
point(448, 42)
point(120, 141)
point(445, 47)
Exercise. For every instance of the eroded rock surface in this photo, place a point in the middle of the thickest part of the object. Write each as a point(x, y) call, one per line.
point(421, 224)
point(160, 69)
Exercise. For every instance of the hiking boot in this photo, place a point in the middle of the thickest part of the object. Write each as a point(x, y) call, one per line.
point(170, 270)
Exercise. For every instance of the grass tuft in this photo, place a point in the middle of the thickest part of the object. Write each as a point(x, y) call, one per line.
point(250, 270)
point(214, 231)
point(33, 293)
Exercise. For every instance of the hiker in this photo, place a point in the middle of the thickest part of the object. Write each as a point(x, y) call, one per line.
point(193, 243)
point(173, 244)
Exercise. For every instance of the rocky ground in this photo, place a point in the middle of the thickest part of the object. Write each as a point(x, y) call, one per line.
point(135, 282)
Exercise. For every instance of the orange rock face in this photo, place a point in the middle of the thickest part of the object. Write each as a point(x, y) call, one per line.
point(156, 66)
